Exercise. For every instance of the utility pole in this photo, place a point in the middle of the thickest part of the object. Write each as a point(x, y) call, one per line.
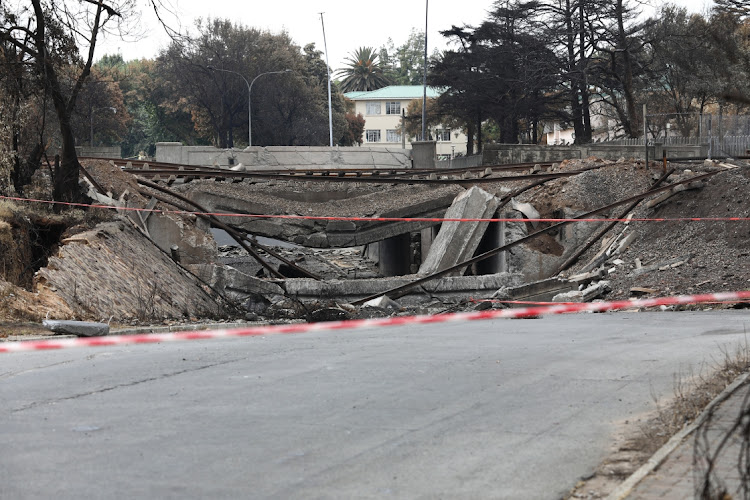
point(424, 79)
point(328, 67)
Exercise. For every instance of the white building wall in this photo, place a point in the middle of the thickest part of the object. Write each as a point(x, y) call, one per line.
point(383, 123)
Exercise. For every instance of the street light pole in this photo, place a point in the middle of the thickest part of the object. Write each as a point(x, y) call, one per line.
point(249, 96)
point(424, 80)
point(328, 67)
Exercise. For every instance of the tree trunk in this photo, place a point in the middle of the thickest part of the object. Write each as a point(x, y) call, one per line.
point(631, 123)
point(65, 187)
point(583, 68)
point(469, 139)
point(573, 77)
point(65, 183)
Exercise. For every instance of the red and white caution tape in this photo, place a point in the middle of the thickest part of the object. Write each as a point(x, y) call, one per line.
point(526, 312)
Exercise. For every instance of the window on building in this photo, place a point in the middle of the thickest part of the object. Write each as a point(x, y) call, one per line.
point(372, 135)
point(393, 108)
point(373, 108)
point(393, 135)
point(443, 134)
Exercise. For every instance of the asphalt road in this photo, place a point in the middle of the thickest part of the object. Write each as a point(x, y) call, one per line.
point(488, 409)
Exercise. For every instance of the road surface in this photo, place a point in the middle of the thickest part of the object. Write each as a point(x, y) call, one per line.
point(485, 409)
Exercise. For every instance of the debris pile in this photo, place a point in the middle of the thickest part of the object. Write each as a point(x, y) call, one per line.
point(682, 256)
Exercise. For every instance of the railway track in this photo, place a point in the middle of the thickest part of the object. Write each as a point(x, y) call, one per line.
point(169, 173)
point(139, 165)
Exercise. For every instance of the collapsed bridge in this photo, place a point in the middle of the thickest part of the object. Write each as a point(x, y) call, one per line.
point(352, 234)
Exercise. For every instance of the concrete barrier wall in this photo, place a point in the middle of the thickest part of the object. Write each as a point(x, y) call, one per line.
point(284, 157)
point(498, 154)
point(100, 151)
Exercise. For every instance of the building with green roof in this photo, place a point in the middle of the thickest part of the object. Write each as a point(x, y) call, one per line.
point(382, 110)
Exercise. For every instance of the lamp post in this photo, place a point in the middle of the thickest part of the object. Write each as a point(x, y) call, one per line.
point(249, 95)
point(424, 79)
point(91, 124)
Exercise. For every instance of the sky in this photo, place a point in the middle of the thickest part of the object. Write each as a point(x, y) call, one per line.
point(348, 25)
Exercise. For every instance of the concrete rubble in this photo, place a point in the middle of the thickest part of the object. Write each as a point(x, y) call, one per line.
point(77, 328)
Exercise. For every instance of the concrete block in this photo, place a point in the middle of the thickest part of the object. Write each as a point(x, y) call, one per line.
point(78, 328)
point(423, 153)
point(457, 241)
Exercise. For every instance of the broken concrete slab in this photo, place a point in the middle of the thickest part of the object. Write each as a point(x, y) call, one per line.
point(95, 273)
point(447, 288)
point(196, 245)
point(661, 266)
point(457, 241)
point(408, 202)
point(77, 328)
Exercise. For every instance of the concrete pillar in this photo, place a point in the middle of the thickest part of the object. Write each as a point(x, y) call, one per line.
point(423, 154)
point(394, 255)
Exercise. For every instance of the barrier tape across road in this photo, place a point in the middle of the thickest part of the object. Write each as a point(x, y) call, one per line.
point(116, 340)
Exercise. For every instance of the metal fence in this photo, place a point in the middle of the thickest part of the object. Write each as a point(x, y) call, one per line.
point(725, 135)
point(726, 145)
point(460, 162)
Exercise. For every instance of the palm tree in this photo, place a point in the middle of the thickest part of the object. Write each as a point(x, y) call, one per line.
point(363, 72)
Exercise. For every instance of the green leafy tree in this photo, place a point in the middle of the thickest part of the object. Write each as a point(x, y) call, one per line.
point(504, 70)
point(146, 99)
point(208, 78)
point(413, 118)
point(363, 72)
point(404, 65)
point(354, 131)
